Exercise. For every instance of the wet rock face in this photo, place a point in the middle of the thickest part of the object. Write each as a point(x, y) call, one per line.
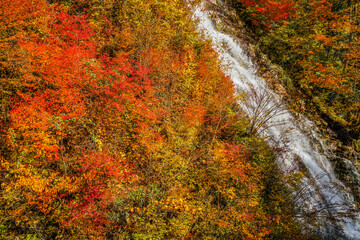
point(347, 168)
point(346, 171)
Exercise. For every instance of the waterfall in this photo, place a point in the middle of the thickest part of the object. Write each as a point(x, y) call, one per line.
point(322, 194)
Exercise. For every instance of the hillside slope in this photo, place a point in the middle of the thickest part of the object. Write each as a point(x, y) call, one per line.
point(117, 122)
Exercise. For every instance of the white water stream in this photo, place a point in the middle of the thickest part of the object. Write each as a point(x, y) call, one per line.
point(320, 195)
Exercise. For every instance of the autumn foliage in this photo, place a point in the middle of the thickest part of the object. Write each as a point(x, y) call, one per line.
point(118, 123)
point(269, 11)
point(317, 44)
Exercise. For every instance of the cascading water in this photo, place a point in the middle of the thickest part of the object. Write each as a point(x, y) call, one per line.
point(321, 194)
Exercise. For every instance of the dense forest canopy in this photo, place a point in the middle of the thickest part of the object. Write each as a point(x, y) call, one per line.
point(117, 121)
